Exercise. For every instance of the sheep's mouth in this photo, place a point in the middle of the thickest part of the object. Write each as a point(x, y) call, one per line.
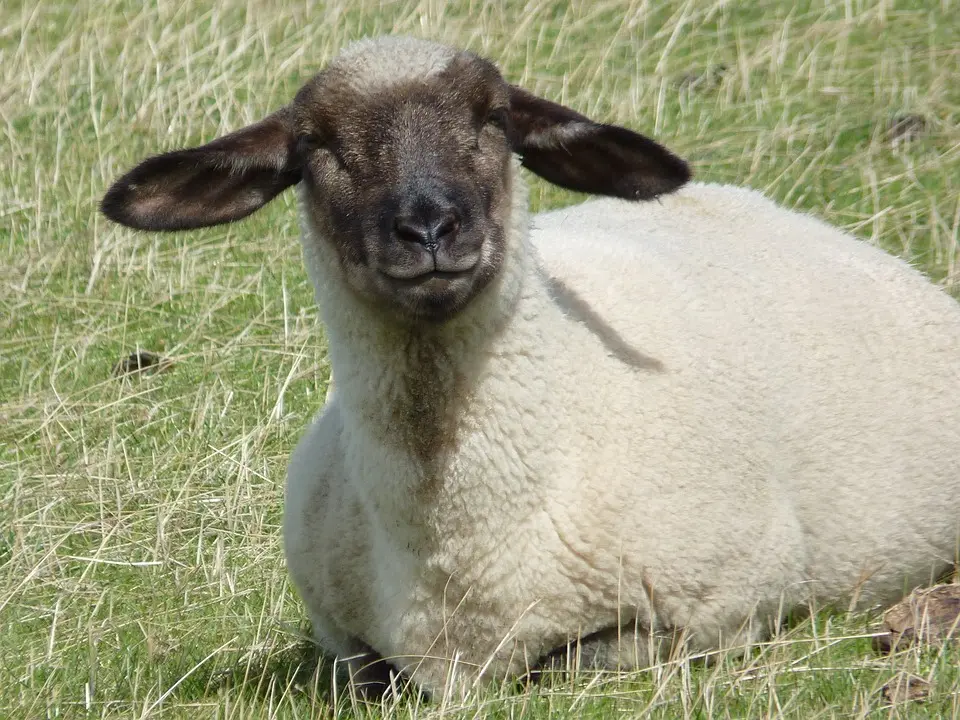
point(434, 295)
point(429, 276)
point(432, 287)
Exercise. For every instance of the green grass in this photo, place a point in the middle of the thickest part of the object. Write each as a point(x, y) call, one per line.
point(141, 572)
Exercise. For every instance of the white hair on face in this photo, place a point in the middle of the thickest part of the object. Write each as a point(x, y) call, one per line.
point(373, 64)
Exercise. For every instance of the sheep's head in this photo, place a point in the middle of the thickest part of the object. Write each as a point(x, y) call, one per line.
point(403, 148)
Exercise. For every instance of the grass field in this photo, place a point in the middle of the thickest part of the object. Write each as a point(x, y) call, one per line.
point(140, 563)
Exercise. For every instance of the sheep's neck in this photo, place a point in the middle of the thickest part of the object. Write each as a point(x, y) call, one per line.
point(417, 402)
point(411, 386)
point(422, 384)
point(424, 406)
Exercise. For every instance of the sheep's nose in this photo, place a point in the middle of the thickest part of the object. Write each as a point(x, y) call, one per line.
point(427, 228)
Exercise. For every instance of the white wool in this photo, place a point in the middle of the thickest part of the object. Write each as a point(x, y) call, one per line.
point(800, 440)
point(372, 64)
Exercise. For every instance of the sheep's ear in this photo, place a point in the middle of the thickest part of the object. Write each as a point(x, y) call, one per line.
point(570, 150)
point(220, 182)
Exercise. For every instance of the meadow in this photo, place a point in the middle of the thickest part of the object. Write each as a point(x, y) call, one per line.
point(141, 571)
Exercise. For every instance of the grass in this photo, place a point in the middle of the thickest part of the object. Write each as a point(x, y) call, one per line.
point(141, 572)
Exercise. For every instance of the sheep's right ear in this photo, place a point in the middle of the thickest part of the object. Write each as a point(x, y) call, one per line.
point(570, 150)
point(220, 182)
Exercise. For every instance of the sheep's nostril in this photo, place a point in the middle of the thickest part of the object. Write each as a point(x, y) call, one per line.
point(428, 231)
point(447, 226)
point(411, 231)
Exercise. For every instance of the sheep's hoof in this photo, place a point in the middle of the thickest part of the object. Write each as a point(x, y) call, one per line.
point(930, 615)
point(372, 680)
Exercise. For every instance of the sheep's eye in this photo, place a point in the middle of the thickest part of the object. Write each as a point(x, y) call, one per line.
point(311, 143)
point(498, 118)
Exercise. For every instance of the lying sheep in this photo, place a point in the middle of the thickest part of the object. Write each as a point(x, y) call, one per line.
point(632, 424)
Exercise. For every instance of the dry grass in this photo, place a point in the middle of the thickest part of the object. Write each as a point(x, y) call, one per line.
point(141, 564)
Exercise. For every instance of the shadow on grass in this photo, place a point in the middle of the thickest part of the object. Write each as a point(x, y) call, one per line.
point(297, 671)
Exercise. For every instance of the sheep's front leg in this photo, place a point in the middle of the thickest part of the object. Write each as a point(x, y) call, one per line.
point(616, 649)
point(633, 647)
point(366, 670)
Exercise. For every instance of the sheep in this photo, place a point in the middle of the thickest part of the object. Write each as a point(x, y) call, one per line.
point(638, 426)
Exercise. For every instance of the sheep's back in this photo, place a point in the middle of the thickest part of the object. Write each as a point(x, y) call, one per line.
point(813, 369)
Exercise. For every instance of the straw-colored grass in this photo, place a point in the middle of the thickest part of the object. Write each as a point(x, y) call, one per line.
point(141, 572)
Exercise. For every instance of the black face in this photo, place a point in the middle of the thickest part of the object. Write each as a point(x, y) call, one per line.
point(408, 181)
point(411, 185)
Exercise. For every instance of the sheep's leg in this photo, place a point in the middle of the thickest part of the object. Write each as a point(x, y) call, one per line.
point(633, 647)
point(616, 648)
point(367, 671)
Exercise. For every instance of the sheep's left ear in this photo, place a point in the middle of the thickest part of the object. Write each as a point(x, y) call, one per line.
point(219, 182)
point(570, 150)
